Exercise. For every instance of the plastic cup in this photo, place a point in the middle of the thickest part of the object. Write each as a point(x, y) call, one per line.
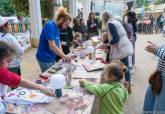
point(58, 93)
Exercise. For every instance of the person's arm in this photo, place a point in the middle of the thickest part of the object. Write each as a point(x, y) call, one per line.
point(95, 89)
point(114, 34)
point(13, 80)
point(57, 50)
point(154, 49)
point(128, 30)
point(31, 85)
point(160, 52)
point(11, 40)
point(17, 47)
point(50, 36)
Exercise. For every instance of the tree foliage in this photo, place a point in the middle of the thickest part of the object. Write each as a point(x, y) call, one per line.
point(6, 8)
point(47, 8)
point(21, 7)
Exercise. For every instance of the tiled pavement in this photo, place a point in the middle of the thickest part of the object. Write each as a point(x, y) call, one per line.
point(145, 64)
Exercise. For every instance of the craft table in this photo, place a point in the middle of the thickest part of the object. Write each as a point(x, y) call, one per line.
point(76, 94)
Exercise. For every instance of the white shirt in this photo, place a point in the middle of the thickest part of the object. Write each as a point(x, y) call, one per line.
point(12, 41)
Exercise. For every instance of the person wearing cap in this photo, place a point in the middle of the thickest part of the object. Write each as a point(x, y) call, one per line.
point(10, 39)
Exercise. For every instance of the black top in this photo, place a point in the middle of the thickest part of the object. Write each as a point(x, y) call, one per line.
point(66, 38)
point(66, 35)
point(94, 29)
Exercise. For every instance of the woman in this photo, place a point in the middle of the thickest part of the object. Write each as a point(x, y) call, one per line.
point(76, 27)
point(155, 94)
point(83, 28)
point(49, 45)
point(92, 24)
point(120, 46)
point(132, 35)
point(66, 36)
point(10, 39)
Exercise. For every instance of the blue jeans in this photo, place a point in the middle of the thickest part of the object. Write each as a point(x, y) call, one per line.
point(44, 65)
point(155, 103)
point(127, 74)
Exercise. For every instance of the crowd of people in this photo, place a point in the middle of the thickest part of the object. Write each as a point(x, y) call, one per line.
point(151, 24)
point(119, 39)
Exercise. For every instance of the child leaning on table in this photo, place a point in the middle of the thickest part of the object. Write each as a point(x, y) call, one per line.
point(77, 39)
point(112, 93)
point(12, 79)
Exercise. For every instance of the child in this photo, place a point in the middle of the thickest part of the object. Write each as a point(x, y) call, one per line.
point(112, 93)
point(77, 40)
point(104, 38)
point(12, 79)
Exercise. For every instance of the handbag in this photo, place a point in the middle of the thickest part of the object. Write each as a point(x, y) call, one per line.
point(156, 82)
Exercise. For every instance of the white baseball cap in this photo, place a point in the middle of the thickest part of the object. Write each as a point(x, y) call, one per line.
point(3, 21)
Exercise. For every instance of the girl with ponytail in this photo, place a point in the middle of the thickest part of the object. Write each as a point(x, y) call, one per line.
point(112, 93)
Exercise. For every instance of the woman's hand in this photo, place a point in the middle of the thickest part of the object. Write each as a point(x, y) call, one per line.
point(151, 47)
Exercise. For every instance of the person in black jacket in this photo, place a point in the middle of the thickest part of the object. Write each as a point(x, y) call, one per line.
point(76, 27)
point(92, 24)
point(66, 37)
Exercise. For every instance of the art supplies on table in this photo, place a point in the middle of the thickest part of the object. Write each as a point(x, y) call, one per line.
point(74, 104)
point(93, 65)
point(96, 39)
point(26, 96)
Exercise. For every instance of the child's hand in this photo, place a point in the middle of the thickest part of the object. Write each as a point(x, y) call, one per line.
point(82, 82)
point(48, 91)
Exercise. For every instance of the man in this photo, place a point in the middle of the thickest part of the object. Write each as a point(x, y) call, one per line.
point(49, 44)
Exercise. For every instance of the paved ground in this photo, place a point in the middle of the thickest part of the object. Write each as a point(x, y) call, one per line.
point(145, 64)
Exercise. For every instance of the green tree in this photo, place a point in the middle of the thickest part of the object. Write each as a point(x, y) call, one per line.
point(6, 8)
point(160, 2)
point(47, 8)
point(21, 7)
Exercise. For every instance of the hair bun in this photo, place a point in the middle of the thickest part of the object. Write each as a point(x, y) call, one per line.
point(124, 69)
point(62, 10)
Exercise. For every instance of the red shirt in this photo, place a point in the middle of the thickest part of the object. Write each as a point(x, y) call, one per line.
point(9, 78)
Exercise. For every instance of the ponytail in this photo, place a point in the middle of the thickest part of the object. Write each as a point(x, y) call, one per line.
point(62, 13)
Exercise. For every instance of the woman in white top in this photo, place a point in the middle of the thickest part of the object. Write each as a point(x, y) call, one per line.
point(120, 46)
point(10, 39)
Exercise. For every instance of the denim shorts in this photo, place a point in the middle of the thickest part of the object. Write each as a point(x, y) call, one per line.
point(155, 103)
point(44, 65)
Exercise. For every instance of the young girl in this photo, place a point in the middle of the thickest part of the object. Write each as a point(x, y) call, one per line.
point(12, 79)
point(77, 40)
point(112, 93)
